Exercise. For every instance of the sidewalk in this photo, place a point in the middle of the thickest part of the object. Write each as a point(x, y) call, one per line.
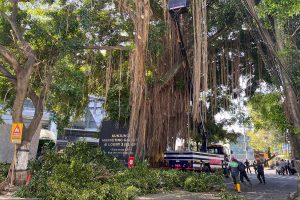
point(182, 195)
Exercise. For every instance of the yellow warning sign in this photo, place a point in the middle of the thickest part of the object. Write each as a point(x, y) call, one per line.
point(16, 133)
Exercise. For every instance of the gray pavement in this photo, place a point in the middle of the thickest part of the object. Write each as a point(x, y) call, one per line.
point(182, 195)
point(277, 187)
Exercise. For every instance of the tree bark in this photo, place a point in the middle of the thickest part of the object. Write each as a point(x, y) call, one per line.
point(291, 104)
point(21, 80)
point(21, 163)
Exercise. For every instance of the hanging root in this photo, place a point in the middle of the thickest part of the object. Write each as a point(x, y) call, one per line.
point(200, 68)
point(138, 86)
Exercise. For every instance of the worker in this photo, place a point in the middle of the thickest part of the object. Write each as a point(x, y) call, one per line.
point(260, 172)
point(243, 173)
point(233, 167)
point(247, 164)
point(255, 166)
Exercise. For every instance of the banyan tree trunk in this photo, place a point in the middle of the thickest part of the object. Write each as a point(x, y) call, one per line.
point(138, 123)
point(291, 104)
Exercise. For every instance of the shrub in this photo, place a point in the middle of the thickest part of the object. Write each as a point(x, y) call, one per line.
point(226, 195)
point(204, 182)
point(72, 172)
point(142, 177)
point(21, 191)
point(170, 179)
point(112, 192)
point(4, 167)
point(195, 184)
point(61, 191)
point(79, 173)
point(132, 192)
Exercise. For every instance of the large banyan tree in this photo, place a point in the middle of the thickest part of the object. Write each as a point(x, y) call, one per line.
point(224, 41)
point(187, 82)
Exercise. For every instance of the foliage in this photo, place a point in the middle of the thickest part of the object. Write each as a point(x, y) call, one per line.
point(267, 112)
point(60, 49)
point(150, 183)
point(282, 9)
point(217, 133)
point(74, 170)
point(282, 17)
point(70, 84)
point(269, 121)
point(117, 107)
point(204, 182)
point(3, 171)
point(226, 195)
point(263, 139)
point(77, 172)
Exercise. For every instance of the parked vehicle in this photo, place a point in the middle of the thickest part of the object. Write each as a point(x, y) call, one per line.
point(216, 158)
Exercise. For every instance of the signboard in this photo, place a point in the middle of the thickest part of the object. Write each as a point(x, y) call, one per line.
point(239, 151)
point(16, 133)
point(284, 147)
point(113, 140)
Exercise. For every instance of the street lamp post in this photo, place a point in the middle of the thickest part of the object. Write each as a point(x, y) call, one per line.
point(245, 139)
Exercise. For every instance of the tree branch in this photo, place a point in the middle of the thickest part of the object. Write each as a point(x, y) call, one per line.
point(217, 34)
point(12, 19)
point(38, 102)
point(294, 33)
point(8, 75)
point(9, 57)
point(124, 7)
point(14, 26)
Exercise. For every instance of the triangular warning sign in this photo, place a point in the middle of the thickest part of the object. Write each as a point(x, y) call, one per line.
point(16, 133)
point(17, 130)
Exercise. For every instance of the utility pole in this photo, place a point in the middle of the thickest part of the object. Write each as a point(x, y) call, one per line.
point(245, 139)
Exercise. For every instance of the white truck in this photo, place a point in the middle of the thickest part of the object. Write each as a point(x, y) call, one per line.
point(216, 158)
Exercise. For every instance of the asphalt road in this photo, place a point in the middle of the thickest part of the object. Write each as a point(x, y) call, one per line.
point(277, 187)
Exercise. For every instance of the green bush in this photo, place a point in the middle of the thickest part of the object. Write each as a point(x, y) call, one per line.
point(4, 167)
point(226, 195)
point(84, 172)
point(141, 177)
point(112, 192)
point(204, 182)
point(170, 179)
point(73, 174)
point(21, 191)
point(132, 192)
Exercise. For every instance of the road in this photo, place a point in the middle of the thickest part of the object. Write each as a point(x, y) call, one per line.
point(277, 187)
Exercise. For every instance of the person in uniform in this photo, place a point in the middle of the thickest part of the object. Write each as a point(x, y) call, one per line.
point(243, 173)
point(235, 173)
point(260, 172)
point(247, 164)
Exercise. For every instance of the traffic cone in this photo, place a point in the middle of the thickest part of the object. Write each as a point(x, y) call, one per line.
point(238, 187)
